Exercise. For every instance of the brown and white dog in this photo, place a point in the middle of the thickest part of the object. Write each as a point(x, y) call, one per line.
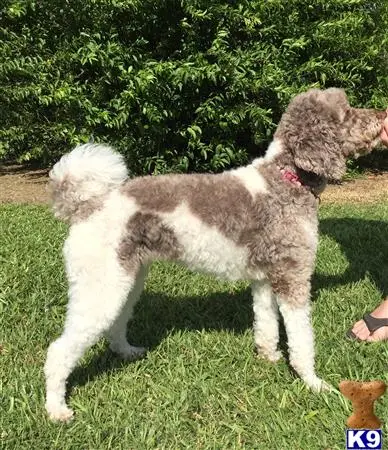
point(257, 222)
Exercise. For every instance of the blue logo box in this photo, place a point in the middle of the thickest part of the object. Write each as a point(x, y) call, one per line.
point(363, 439)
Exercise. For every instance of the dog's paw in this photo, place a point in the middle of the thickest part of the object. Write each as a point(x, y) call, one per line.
point(270, 355)
point(317, 384)
point(129, 352)
point(135, 352)
point(326, 387)
point(59, 413)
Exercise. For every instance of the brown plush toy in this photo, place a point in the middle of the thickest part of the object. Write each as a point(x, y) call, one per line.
point(363, 395)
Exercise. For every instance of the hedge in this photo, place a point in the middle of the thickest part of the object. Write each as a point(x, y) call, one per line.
point(177, 85)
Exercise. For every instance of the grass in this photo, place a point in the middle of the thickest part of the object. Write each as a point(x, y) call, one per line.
point(200, 385)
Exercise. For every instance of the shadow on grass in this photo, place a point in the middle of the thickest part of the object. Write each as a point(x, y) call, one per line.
point(365, 245)
point(158, 315)
point(364, 242)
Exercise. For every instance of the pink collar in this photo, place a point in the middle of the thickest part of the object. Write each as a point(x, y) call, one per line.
point(291, 176)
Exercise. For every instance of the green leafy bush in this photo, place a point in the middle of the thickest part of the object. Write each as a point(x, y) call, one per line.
point(177, 85)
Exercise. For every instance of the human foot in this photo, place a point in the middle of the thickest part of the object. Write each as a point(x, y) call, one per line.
point(361, 331)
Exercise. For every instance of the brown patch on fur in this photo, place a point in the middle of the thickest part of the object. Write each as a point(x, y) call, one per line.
point(146, 238)
point(290, 279)
point(72, 212)
point(88, 208)
point(220, 200)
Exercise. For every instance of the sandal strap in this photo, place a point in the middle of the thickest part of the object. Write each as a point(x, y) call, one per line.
point(373, 323)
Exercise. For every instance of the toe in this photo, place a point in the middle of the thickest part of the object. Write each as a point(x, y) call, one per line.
point(268, 353)
point(326, 386)
point(363, 334)
point(134, 352)
point(317, 384)
point(381, 334)
point(361, 330)
point(358, 326)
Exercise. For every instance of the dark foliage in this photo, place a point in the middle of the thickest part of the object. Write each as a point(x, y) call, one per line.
point(177, 85)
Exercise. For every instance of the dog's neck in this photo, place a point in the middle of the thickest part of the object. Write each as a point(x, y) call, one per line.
point(308, 180)
point(278, 158)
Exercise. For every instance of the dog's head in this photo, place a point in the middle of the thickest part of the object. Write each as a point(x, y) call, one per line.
point(320, 130)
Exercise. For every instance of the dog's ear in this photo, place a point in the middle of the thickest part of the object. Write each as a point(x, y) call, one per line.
point(310, 131)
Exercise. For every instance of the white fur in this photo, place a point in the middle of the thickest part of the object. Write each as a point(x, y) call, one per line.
point(92, 240)
point(310, 230)
point(205, 248)
point(266, 323)
point(117, 333)
point(274, 149)
point(300, 338)
point(91, 162)
point(98, 289)
point(91, 170)
point(251, 178)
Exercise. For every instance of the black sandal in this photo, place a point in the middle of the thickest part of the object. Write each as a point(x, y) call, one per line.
point(372, 323)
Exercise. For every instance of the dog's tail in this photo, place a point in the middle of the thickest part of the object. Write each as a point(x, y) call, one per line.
point(82, 177)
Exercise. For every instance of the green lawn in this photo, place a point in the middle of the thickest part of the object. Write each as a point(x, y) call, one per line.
point(200, 385)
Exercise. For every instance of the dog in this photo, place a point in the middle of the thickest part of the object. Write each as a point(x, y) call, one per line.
point(257, 223)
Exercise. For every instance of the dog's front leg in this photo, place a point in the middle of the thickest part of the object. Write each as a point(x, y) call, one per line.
point(266, 322)
point(297, 320)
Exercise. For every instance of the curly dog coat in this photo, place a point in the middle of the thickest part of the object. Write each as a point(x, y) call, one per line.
point(257, 222)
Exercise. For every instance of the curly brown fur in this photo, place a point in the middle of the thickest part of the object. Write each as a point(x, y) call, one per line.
point(320, 130)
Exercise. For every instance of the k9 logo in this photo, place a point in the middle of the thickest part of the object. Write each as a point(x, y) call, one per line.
point(363, 439)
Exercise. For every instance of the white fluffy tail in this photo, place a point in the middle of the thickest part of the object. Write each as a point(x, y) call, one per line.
point(80, 178)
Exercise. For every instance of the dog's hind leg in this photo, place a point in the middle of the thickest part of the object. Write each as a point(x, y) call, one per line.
point(97, 296)
point(266, 321)
point(117, 333)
